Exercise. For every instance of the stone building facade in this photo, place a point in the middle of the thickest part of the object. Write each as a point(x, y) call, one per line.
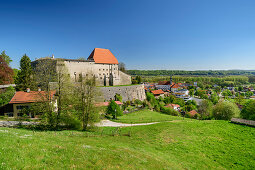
point(101, 63)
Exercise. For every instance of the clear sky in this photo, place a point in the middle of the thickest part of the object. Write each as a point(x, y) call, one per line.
point(144, 34)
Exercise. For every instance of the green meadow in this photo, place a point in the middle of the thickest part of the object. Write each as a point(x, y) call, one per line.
point(183, 144)
point(146, 116)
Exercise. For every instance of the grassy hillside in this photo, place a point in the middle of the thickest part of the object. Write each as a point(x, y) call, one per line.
point(188, 144)
point(146, 116)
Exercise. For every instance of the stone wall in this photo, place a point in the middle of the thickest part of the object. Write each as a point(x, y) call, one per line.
point(127, 92)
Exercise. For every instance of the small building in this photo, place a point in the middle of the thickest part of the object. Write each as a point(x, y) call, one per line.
point(22, 100)
point(158, 93)
point(174, 106)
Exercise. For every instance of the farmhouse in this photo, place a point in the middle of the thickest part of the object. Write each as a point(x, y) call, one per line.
point(158, 93)
point(23, 100)
point(101, 64)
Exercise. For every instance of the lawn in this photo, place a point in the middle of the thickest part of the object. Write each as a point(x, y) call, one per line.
point(188, 144)
point(146, 116)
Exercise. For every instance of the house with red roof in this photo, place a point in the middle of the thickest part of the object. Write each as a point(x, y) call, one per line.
point(174, 106)
point(158, 93)
point(23, 100)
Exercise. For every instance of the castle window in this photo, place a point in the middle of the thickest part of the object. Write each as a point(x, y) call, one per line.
point(101, 77)
point(99, 69)
point(103, 69)
point(99, 74)
point(86, 74)
point(106, 69)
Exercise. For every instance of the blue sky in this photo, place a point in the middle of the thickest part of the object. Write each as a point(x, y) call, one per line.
point(144, 34)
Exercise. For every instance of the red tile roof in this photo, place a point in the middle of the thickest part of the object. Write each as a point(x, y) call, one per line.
point(155, 92)
point(193, 112)
point(103, 56)
point(30, 97)
point(172, 105)
point(175, 86)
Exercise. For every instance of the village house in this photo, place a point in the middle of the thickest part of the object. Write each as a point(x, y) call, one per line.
point(174, 106)
point(23, 100)
point(158, 93)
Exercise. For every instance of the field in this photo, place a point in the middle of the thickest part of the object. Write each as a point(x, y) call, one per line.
point(184, 144)
point(146, 116)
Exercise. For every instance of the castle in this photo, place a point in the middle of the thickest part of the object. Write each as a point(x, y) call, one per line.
point(101, 64)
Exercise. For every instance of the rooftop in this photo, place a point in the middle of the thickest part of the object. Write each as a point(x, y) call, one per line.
point(30, 97)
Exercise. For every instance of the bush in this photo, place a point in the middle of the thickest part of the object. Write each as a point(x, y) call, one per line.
point(114, 109)
point(225, 110)
point(169, 111)
point(248, 111)
point(205, 109)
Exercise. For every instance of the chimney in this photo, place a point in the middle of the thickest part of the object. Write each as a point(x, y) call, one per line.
point(39, 88)
point(28, 90)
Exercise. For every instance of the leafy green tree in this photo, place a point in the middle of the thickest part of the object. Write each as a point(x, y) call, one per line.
point(118, 97)
point(6, 58)
point(214, 98)
point(205, 109)
point(114, 109)
point(169, 99)
point(248, 94)
point(25, 75)
point(226, 93)
point(225, 110)
point(6, 96)
point(191, 92)
point(248, 111)
point(138, 79)
point(87, 94)
point(179, 101)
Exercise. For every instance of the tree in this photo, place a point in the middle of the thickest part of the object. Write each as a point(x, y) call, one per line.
point(6, 58)
point(87, 94)
point(248, 94)
point(64, 91)
point(226, 93)
point(169, 99)
point(25, 75)
point(225, 110)
point(122, 67)
point(114, 109)
point(118, 97)
point(214, 98)
point(248, 111)
point(191, 92)
point(138, 79)
point(6, 73)
point(45, 72)
point(205, 109)
point(6, 96)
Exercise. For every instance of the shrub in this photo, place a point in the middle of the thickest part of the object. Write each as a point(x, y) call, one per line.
point(225, 110)
point(205, 109)
point(248, 111)
point(114, 109)
point(169, 111)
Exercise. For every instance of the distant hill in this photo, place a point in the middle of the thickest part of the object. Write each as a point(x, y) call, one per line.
point(193, 73)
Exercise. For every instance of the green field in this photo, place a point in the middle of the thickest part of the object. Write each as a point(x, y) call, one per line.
point(146, 116)
point(188, 144)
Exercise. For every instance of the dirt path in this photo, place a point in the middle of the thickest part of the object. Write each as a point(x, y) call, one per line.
point(108, 123)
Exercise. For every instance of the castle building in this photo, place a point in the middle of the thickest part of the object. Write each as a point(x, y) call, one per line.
point(101, 64)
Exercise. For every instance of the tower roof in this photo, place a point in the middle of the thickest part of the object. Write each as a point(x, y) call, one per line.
point(103, 56)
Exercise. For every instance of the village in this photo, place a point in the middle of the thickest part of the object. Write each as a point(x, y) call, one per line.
point(127, 84)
